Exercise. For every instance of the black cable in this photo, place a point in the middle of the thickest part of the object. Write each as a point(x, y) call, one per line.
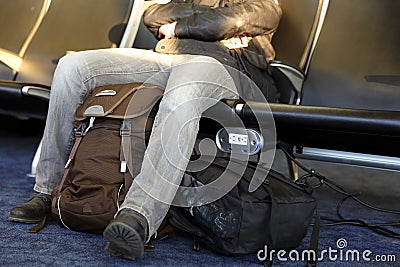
point(334, 186)
point(376, 227)
point(343, 222)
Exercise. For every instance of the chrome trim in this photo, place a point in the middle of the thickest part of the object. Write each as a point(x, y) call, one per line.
point(278, 64)
point(135, 17)
point(36, 91)
point(319, 24)
point(349, 158)
point(295, 76)
point(42, 14)
point(35, 161)
point(228, 147)
point(133, 24)
point(11, 59)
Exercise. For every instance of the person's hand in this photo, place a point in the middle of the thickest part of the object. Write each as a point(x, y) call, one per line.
point(237, 42)
point(167, 30)
point(241, 41)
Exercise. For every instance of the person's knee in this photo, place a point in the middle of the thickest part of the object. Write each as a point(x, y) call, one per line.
point(68, 76)
point(69, 63)
point(73, 65)
point(201, 72)
point(204, 59)
point(205, 65)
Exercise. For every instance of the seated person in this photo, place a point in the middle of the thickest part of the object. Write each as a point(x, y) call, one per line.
point(200, 42)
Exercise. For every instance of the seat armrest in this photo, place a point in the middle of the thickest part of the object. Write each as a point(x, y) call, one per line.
point(24, 100)
point(36, 91)
point(354, 130)
point(360, 137)
point(378, 122)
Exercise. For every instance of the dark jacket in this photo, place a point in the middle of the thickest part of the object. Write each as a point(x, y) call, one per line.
point(201, 24)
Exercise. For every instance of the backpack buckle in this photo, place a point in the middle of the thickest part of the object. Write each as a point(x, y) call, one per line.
point(80, 130)
point(126, 128)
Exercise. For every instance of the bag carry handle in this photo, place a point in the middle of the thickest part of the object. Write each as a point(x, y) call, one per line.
point(114, 101)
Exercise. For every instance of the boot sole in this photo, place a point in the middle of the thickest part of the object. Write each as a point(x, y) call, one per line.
point(23, 220)
point(123, 241)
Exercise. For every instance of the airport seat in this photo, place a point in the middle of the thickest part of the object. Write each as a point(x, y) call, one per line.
point(93, 25)
point(348, 112)
point(347, 134)
point(19, 21)
point(66, 27)
point(27, 96)
point(356, 63)
point(354, 74)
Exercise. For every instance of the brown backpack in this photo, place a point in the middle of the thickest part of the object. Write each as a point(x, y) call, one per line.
point(97, 178)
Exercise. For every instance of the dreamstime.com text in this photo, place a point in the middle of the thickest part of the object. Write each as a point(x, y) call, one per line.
point(340, 253)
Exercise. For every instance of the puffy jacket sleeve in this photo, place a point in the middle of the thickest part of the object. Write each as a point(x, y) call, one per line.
point(160, 14)
point(250, 17)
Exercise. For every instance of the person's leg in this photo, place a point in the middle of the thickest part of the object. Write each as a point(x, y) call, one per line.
point(76, 76)
point(193, 86)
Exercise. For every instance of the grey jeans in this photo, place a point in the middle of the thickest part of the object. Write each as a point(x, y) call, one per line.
point(192, 83)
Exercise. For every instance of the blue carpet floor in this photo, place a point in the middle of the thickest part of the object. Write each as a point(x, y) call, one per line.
point(56, 246)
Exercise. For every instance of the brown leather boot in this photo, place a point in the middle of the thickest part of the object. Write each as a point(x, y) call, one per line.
point(32, 211)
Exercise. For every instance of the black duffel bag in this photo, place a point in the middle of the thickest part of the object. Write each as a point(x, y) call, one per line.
point(277, 214)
